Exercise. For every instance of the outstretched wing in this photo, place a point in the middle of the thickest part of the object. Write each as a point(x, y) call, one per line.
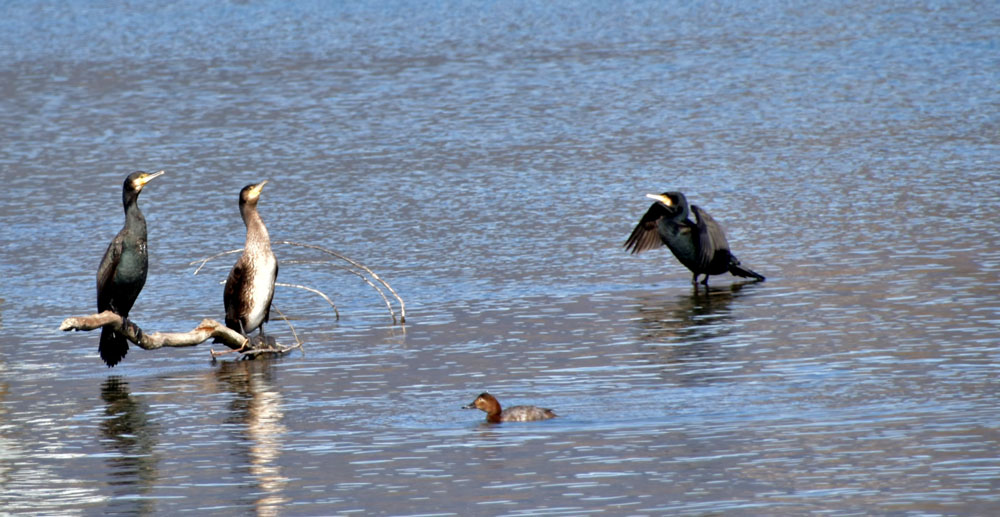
point(646, 235)
point(710, 236)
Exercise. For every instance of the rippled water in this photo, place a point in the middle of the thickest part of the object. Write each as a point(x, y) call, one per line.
point(488, 160)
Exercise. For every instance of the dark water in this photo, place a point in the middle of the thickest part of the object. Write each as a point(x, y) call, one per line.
point(488, 160)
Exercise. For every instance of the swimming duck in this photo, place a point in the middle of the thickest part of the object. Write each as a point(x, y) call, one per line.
point(494, 414)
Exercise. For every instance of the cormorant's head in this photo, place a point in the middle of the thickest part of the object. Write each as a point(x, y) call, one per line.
point(251, 193)
point(139, 179)
point(673, 201)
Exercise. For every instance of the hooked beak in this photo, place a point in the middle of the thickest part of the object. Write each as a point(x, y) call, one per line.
point(255, 191)
point(661, 198)
point(143, 180)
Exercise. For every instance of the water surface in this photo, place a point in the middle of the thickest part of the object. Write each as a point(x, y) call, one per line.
point(489, 161)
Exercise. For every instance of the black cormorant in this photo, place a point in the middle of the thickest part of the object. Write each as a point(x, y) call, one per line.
point(250, 286)
point(700, 245)
point(122, 272)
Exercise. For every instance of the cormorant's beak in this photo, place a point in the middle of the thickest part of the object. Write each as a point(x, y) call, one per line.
point(143, 180)
point(255, 191)
point(661, 198)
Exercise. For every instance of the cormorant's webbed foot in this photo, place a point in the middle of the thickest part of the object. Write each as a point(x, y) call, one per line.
point(127, 324)
point(263, 340)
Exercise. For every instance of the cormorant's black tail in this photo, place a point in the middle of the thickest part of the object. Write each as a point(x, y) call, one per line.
point(737, 270)
point(113, 346)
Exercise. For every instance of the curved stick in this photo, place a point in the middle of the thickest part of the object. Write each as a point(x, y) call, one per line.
point(310, 289)
point(382, 294)
point(298, 342)
point(206, 260)
point(388, 304)
point(402, 305)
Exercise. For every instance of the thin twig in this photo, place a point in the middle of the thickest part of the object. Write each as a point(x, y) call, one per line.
point(310, 289)
point(289, 322)
point(215, 354)
point(402, 305)
point(388, 304)
point(206, 260)
point(385, 299)
point(280, 351)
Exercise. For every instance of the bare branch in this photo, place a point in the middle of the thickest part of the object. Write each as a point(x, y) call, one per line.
point(310, 289)
point(298, 342)
point(207, 329)
point(382, 294)
point(388, 304)
point(206, 260)
point(402, 305)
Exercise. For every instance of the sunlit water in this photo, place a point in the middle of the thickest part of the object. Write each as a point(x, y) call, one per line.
point(489, 161)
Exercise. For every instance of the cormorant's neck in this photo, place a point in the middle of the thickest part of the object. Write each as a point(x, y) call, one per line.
point(133, 216)
point(256, 231)
point(680, 212)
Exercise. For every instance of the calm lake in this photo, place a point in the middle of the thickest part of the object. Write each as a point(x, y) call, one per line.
point(488, 160)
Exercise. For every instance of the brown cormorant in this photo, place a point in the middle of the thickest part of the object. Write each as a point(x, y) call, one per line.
point(250, 286)
point(122, 272)
point(700, 244)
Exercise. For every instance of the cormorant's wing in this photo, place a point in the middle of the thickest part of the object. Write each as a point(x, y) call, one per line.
point(710, 236)
point(233, 296)
point(646, 235)
point(106, 272)
point(267, 310)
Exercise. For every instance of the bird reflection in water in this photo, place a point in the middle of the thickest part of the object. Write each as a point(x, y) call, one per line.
point(257, 411)
point(131, 438)
point(689, 328)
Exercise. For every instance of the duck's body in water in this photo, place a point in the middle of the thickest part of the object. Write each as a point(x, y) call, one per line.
point(496, 414)
point(122, 272)
point(250, 286)
point(700, 244)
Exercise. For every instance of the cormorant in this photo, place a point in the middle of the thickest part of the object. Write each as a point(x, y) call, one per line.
point(122, 272)
point(700, 245)
point(250, 286)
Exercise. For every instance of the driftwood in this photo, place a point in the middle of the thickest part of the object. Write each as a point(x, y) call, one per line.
point(212, 329)
point(207, 329)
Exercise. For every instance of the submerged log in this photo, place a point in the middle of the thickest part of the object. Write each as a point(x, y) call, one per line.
point(207, 329)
